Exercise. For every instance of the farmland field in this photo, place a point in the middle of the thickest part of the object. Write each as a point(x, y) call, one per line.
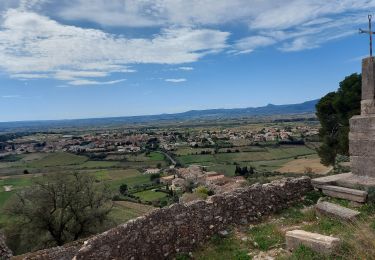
point(150, 195)
point(262, 158)
point(309, 164)
point(124, 211)
point(58, 159)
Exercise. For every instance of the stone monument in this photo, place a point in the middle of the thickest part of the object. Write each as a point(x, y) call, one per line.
point(362, 127)
point(361, 139)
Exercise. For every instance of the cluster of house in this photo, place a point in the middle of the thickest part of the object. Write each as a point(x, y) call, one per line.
point(95, 143)
point(262, 135)
point(196, 175)
point(126, 141)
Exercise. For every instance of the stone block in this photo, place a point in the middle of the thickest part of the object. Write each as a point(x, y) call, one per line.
point(336, 211)
point(368, 80)
point(345, 193)
point(329, 180)
point(363, 165)
point(362, 123)
point(347, 180)
point(360, 147)
point(367, 107)
point(317, 242)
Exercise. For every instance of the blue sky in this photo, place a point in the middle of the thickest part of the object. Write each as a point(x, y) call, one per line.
point(97, 58)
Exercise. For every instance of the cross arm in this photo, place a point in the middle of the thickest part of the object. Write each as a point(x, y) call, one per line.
point(366, 31)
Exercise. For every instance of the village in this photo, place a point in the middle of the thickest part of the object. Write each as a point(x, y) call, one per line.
point(122, 142)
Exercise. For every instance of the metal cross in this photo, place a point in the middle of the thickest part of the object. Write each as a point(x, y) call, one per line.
point(370, 32)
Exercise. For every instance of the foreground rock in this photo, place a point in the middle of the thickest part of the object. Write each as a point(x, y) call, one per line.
point(317, 242)
point(336, 211)
point(345, 193)
point(5, 252)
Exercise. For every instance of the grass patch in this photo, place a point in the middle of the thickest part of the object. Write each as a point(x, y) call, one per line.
point(114, 178)
point(312, 197)
point(58, 159)
point(294, 216)
point(305, 253)
point(221, 249)
point(99, 164)
point(326, 226)
point(11, 158)
point(150, 195)
point(266, 236)
point(124, 211)
point(154, 156)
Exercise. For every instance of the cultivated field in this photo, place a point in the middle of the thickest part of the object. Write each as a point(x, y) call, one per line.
point(309, 164)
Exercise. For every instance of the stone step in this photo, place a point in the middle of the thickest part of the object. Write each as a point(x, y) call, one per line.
point(345, 193)
point(336, 211)
point(347, 180)
point(329, 180)
point(317, 242)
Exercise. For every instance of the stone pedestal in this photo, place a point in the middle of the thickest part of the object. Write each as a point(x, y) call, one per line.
point(362, 127)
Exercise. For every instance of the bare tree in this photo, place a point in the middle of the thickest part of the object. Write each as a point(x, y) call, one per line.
point(60, 208)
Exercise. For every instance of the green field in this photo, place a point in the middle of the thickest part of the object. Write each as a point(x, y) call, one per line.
point(150, 195)
point(154, 156)
point(124, 211)
point(112, 177)
point(267, 159)
point(16, 184)
point(58, 159)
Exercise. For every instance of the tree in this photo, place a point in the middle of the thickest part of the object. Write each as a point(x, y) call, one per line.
point(237, 171)
point(56, 209)
point(155, 177)
point(334, 111)
point(123, 189)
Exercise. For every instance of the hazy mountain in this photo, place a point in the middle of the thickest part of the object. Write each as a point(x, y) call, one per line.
point(210, 114)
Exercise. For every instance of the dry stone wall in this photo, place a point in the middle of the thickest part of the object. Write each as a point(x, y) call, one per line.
point(5, 252)
point(163, 233)
point(180, 228)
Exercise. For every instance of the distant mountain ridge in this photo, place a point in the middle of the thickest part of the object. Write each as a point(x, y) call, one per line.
point(209, 114)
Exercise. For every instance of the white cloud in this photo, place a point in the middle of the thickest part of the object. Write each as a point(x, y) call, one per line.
point(186, 68)
point(298, 44)
point(146, 13)
point(278, 19)
point(262, 14)
point(175, 80)
point(80, 82)
point(29, 76)
point(248, 44)
point(11, 96)
point(34, 44)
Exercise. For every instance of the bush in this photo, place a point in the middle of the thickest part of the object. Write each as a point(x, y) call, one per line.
point(371, 195)
point(123, 189)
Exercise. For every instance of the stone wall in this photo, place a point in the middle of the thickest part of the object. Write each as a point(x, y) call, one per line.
point(163, 233)
point(180, 228)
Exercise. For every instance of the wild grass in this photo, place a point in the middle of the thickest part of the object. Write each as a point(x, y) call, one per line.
point(221, 249)
point(266, 236)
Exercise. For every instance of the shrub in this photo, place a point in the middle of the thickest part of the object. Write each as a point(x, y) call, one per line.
point(123, 189)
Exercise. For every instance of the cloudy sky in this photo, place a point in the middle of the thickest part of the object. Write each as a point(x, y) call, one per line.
point(96, 58)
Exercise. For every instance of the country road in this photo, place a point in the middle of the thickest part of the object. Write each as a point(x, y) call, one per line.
point(169, 157)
